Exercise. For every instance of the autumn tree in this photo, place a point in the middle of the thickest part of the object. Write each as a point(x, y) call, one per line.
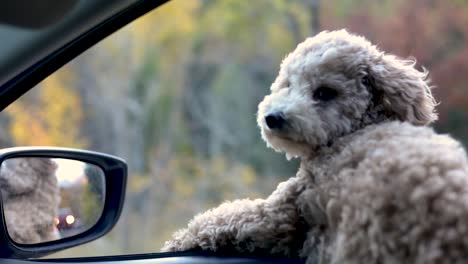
point(51, 117)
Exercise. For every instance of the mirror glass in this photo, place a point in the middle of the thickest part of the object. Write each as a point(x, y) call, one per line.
point(46, 199)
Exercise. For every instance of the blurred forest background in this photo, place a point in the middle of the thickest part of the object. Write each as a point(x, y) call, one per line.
point(175, 93)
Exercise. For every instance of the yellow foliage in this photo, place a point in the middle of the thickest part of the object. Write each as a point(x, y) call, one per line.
point(183, 187)
point(139, 183)
point(218, 165)
point(53, 119)
point(171, 19)
point(248, 176)
point(171, 23)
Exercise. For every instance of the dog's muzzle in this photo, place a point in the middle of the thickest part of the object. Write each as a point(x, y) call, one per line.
point(275, 121)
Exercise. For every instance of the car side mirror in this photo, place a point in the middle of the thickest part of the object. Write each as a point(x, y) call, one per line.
point(56, 198)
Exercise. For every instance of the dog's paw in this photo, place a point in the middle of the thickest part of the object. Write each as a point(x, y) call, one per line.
point(182, 240)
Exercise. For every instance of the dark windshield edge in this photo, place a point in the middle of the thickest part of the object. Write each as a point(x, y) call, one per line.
point(191, 253)
point(23, 82)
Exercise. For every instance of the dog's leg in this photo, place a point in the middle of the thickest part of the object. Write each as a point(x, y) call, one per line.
point(269, 225)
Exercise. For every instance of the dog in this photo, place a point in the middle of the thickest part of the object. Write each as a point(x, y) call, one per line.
point(376, 184)
point(31, 197)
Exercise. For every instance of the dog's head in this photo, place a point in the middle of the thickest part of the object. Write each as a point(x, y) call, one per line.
point(334, 84)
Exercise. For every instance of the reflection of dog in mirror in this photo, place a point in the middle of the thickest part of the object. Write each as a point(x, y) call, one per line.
point(30, 194)
point(375, 185)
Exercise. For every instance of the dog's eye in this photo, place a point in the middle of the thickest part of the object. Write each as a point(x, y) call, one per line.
point(365, 81)
point(324, 93)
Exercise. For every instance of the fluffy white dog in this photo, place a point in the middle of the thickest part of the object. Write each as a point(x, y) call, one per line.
point(375, 185)
point(31, 197)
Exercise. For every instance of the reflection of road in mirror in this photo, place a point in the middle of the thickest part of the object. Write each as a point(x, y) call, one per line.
point(48, 199)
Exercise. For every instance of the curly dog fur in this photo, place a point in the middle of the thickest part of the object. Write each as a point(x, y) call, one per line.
point(31, 197)
point(375, 184)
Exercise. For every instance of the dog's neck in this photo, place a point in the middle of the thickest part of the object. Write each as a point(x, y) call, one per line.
point(323, 155)
point(372, 117)
point(374, 114)
point(321, 159)
point(321, 164)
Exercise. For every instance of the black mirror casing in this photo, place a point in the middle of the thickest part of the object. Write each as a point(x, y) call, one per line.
point(115, 171)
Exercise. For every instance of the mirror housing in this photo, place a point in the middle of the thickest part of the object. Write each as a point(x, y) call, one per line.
point(115, 174)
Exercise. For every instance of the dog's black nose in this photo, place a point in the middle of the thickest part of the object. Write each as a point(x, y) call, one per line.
point(275, 120)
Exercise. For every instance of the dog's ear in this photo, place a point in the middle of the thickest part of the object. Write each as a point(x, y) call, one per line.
point(403, 91)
